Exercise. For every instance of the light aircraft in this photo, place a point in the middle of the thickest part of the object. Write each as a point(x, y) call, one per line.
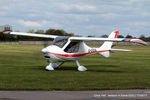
point(65, 48)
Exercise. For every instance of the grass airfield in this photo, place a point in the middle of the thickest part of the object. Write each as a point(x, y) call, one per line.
point(22, 67)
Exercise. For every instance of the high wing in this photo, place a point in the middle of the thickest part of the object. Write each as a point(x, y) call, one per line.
point(95, 39)
point(30, 34)
point(80, 38)
point(108, 39)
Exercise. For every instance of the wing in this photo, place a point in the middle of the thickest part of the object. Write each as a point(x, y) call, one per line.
point(108, 39)
point(112, 37)
point(30, 34)
point(94, 39)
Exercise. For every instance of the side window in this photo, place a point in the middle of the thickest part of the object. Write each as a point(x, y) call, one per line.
point(72, 47)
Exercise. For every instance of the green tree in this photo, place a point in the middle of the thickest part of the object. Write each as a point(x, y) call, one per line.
point(30, 31)
point(129, 36)
point(142, 37)
point(70, 34)
point(50, 31)
point(62, 32)
point(16, 31)
point(104, 36)
point(40, 31)
point(59, 32)
point(120, 36)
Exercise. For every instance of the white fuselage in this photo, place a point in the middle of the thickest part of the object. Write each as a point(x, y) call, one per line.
point(56, 54)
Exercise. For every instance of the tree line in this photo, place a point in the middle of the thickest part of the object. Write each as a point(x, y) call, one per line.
point(59, 32)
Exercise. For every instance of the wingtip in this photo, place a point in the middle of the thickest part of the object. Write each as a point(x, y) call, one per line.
point(138, 41)
point(145, 43)
point(6, 32)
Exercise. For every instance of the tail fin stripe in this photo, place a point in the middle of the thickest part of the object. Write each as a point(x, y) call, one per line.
point(116, 35)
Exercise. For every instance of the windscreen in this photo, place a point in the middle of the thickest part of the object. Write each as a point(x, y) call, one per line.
point(60, 41)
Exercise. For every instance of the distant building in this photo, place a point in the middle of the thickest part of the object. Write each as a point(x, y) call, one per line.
point(5, 28)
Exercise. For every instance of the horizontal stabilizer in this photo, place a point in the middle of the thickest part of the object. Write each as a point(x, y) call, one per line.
point(120, 50)
point(106, 54)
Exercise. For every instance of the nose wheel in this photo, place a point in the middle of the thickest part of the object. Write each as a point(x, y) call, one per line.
point(80, 68)
point(49, 67)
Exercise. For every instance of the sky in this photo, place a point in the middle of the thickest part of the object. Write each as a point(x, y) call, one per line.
point(82, 17)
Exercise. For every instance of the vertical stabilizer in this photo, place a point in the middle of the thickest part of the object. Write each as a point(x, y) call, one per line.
point(108, 45)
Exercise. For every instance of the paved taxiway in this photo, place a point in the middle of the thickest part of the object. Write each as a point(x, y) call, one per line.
point(139, 94)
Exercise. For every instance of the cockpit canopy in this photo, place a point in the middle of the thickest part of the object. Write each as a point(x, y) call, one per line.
point(72, 47)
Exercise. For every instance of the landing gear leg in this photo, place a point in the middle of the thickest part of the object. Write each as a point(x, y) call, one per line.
point(53, 66)
point(80, 68)
point(59, 65)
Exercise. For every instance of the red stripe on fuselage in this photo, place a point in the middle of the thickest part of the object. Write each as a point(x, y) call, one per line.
point(76, 55)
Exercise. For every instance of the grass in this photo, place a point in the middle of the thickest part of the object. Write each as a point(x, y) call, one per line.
point(22, 68)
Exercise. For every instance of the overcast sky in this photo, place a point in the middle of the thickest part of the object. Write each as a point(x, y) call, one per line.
point(82, 17)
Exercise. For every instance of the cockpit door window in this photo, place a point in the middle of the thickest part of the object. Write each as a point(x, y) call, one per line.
point(72, 47)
